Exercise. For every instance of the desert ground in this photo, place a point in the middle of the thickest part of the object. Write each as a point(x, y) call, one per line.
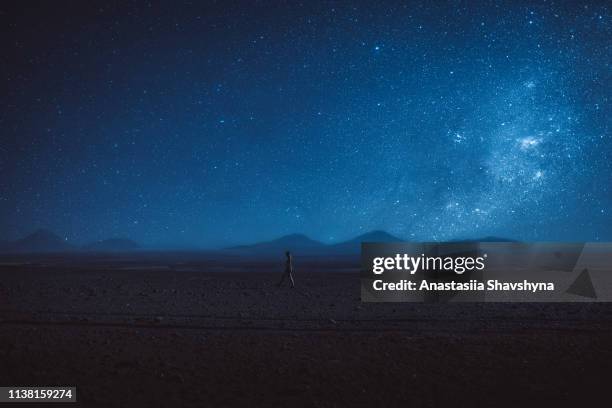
point(174, 329)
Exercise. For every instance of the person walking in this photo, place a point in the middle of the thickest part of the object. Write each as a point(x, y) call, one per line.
point(288, 270)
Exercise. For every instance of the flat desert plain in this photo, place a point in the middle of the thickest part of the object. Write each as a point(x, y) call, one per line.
point(172, 329)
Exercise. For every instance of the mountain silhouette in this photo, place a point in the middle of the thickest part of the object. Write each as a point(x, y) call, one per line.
point(112, 245)
point(301, 245)
point(353, 246)
point(41, 240)
point(297, 243)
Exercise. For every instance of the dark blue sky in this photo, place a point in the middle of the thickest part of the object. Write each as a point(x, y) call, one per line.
point(182, 123)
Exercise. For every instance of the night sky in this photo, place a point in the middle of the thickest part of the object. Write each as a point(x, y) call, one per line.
point(212, 124)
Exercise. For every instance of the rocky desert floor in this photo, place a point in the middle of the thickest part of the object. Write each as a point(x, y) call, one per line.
point(162, 331)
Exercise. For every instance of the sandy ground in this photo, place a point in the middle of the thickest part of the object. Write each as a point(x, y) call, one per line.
point(164, 332)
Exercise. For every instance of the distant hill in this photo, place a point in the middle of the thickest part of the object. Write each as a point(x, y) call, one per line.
point(353, 246)
point(297, 243)
point(39, 241)
point(112, 245)
point(301, 245)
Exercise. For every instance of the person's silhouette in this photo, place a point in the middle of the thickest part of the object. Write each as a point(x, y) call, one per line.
point(288, 270)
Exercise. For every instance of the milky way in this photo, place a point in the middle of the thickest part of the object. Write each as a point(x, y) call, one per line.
point(217, 124)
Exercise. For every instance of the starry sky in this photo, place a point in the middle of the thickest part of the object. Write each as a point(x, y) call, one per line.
point(214, 123)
